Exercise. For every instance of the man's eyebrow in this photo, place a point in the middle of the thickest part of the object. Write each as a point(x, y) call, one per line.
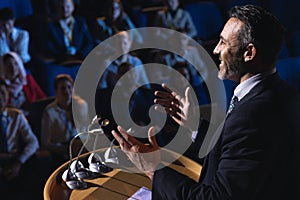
point(222, 38)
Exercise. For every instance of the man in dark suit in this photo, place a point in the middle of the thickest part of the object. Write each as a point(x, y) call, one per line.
point(256, 155)
point(68, 37)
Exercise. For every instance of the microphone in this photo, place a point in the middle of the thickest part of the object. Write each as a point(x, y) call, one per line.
point(95, 162)
point(69, 177)
point(76, 172)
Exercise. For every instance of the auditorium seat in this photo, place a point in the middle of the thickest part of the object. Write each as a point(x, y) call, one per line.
point(21, 8)
point(207, 19)
point(36, 113)
point(289, 70)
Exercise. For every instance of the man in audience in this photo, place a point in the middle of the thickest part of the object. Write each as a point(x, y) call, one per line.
point(123, 42)
point(174, 17)
point(257, 153)
point(17, 145)
point(11, 38)
point(68, 37)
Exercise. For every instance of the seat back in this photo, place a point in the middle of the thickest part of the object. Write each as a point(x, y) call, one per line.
point(207, 19)
point(36, 113)
point(289, 70)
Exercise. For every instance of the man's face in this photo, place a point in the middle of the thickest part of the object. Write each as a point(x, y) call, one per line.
point(228, 51)
point(173, 4)
point(116, 10)
point(3, 97)
point(125, 42)
point(64, 91)
point(7, 26)
point(66, 9)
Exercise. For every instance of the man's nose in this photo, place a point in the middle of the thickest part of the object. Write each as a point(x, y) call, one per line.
point(216, 50)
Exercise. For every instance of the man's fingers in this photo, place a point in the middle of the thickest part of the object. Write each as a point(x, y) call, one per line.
point(128, 138)
point(187, 94)
point(166, 88)
point(178, 121)
point(163, 94)
point(123, 144)
point(163, 102)
point(151, 137)
point(180, 115)
point(177, 96)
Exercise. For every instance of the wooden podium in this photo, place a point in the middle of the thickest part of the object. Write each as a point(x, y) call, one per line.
point(117, 184)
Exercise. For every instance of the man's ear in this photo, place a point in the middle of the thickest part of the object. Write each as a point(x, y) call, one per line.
point(250, 53)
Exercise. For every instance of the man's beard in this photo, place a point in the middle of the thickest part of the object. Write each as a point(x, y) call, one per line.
point(233, 68)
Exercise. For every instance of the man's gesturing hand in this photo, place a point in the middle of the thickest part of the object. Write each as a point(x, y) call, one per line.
point(145, 157)
point(179, 108)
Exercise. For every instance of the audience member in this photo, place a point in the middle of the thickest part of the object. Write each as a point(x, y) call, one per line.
point(12, 38)
point(179, 83)
point(108, 79)
point(114, 21)
point(174, 17)
point(17, 145)
point(68, 37)
point(22, 88)
point(256, 153)
point(36, 25)
point(187, 51)
point(58, 126)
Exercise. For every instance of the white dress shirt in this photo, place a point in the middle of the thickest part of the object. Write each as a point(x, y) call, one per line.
point(19, 44)
point(57, 129)
point(21, 141)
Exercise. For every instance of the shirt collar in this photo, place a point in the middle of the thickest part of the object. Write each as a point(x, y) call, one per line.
point(244, 87)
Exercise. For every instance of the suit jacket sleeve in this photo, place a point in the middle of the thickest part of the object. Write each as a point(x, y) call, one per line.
point(244, 161)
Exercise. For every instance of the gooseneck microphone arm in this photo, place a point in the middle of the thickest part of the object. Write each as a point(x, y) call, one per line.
point(71, 144)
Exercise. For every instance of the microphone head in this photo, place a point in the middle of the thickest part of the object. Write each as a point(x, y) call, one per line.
point(73, 182)
point(96, 164)
point(68, 175)
point(78, 169)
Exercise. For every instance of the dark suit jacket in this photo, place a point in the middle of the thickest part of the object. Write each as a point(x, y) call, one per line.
point(82, 40)
point(256, 156)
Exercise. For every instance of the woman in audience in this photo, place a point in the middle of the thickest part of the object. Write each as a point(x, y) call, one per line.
point(58, 126)
point(116, 20)
point(23, 90)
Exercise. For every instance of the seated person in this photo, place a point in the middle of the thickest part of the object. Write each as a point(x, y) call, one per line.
point(115, 20)
point(12, 38)
point(68, 37)
point(22, 88)
point(58, 126)
point(108, 79)
point(179, 84)
point(174, 17)
point(17, 145)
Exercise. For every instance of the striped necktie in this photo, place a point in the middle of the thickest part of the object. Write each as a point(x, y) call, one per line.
point(233, 101)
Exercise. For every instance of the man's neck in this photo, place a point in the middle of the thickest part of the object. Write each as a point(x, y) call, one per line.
point(246, 76)
point(67, 20)
point(64, 105)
